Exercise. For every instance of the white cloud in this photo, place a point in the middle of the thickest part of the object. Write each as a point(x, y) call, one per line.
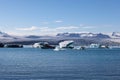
point(83, 26)
point(54, 31)
point(88, 27)
point(67, 28)
point(47, 30)
point(58, 21)
point(14, 33)
point(28, 29)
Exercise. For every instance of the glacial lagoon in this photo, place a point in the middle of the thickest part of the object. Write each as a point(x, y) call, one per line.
point(47, 64)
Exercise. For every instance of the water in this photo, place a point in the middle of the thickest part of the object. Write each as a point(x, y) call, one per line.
point(37, 64)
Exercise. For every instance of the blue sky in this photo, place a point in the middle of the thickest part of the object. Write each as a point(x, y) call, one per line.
point(43, 17)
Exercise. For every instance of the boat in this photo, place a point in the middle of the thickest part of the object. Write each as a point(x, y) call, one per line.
point(43, 45)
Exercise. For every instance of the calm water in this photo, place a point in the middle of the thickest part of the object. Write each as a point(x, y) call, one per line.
point(37, 64)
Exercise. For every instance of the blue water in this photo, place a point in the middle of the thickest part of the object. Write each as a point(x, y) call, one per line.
point(37, 64)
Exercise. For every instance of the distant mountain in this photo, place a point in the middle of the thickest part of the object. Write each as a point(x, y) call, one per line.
point(116, 34)
point(33, 36)
point(100, 35)
point(83, 35)
point(4, 37)
point(79, 38)
point(68, 35)
point(3, 34)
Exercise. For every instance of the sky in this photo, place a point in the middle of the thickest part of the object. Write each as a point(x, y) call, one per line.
point(49, 17)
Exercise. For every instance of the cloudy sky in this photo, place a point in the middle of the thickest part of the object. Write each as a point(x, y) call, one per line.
point(48, 17)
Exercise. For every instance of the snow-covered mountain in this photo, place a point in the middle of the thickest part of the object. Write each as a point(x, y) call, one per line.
point(83, 35)
point(116, 34)
point(79, 38)
point(3, 34)
point(78, 35)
